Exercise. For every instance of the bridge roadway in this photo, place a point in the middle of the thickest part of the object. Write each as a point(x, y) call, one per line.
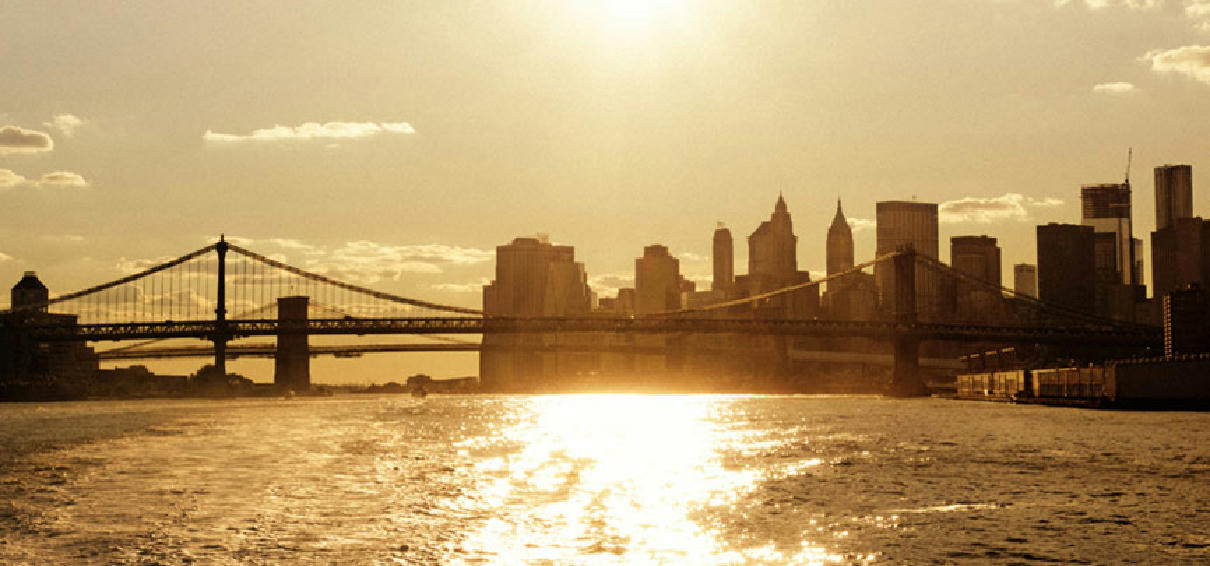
point(1092, 335)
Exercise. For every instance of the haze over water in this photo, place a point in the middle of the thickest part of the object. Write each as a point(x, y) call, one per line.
point(599, 479)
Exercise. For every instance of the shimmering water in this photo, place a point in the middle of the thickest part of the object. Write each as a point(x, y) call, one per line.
point(599, 480)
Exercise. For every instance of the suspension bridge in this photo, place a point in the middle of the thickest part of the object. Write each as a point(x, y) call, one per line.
point(224, 292)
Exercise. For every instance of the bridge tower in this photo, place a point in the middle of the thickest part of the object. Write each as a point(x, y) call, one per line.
point(222, 333)
point(905, 377)
point(292, 364)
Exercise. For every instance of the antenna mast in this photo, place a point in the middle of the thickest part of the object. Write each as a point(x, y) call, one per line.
point(1129, 157)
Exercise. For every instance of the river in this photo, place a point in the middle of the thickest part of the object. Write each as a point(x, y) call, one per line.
point(599, 479)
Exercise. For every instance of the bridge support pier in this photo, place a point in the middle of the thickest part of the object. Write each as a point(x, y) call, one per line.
point(292, 364)
point(905, 378)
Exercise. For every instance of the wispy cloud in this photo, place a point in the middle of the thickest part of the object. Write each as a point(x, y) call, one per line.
point(1009, 206)
point(607, 284)
point(5, 257)
point(461, 287)
point(62, 179)
point(312, 131)
point(859, 224)
point(1192, 61)
point(66, 123)
point(690, 256)
point(1115, 88)
point(15, 139)
point(10, 179)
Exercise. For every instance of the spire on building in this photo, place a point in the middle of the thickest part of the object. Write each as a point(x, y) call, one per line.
point(780, 207)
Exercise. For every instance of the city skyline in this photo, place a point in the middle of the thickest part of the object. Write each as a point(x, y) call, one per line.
point(399, 146)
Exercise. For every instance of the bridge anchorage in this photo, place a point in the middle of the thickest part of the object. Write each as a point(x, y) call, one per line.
point(223, 293)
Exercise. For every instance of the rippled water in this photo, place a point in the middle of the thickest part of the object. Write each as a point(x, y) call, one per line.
point(599, 479)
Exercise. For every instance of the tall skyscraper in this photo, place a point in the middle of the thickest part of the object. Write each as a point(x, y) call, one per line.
point(773, 264)
point(724, 260)
point(536, 278)
point(1066, 269)
point(533, 279)
point(1173, 194)
point(772, 248)
point(840, 243)
point(657, 281)
point(1180, 255)
point(1106, 208)
point(1025, 279)
point(977, 256)
point(901, 224)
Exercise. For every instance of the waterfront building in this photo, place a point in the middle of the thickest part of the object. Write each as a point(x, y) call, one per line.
point(1173, 194)
point(1185, 322)
point(534, 278)
point(1066, 269)
point(41, 370)
point(1025, 279)
point(29, 292)
point(657, 281)
point(1180, 255)
point(902, 224)
point(724, 261)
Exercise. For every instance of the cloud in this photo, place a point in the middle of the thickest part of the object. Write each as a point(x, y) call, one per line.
point(690, 256)
point(607, 285)
point(1197, 8)
point(312, 131)
point(5, 257)
point(10, 179)
point(1115, 88)
point(1009, 206)
point(128, 266)
point(66, 123)
point(1191, 60)
point(65, 238)
point(369, 262)
point(859, 224)
point(62, 179)
point(461, 287)
point(14, 139)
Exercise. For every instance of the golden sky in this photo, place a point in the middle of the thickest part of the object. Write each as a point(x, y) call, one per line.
point(397, 143)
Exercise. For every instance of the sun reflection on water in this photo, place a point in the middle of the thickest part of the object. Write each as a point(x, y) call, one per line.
point(593, 479)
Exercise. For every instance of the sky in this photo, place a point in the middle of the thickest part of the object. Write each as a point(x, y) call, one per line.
point(396, 144)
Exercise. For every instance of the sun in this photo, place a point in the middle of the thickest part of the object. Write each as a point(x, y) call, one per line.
point(626, 18)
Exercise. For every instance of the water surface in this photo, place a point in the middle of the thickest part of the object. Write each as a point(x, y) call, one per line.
point(599, 479)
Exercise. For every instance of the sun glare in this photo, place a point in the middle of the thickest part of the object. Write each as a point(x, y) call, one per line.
point(620, 19)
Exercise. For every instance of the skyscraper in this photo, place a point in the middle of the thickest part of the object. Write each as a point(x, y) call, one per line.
point(840, 243)
point(901, 224)
point(657, 281)
point(724, 260)
point(1106, 207)
point(977, 256)
point(773, 264)
point(1066, 270)
point(1173, 194)
point(1025, 279)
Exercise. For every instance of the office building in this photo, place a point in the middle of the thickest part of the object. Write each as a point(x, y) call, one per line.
point(724, 261)
point(977, 256)
point(773, 265)
point(901, 224)
point(840, 243)
point(1025, 279)
point(1066, 269)
point(1106, 207)
point(1173, 194)
point(657, 281)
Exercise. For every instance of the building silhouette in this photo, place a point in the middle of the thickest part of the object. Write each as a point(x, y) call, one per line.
point(1066, 268)
point(1025, 279)
point(850, 297)
point(1173, 194)
point(724, 261)
point(900, 225)
point(533, 279)
point(41, 370)
point(657, 281)
point(773, 265)
point(978, 257)
point(1107, 209)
